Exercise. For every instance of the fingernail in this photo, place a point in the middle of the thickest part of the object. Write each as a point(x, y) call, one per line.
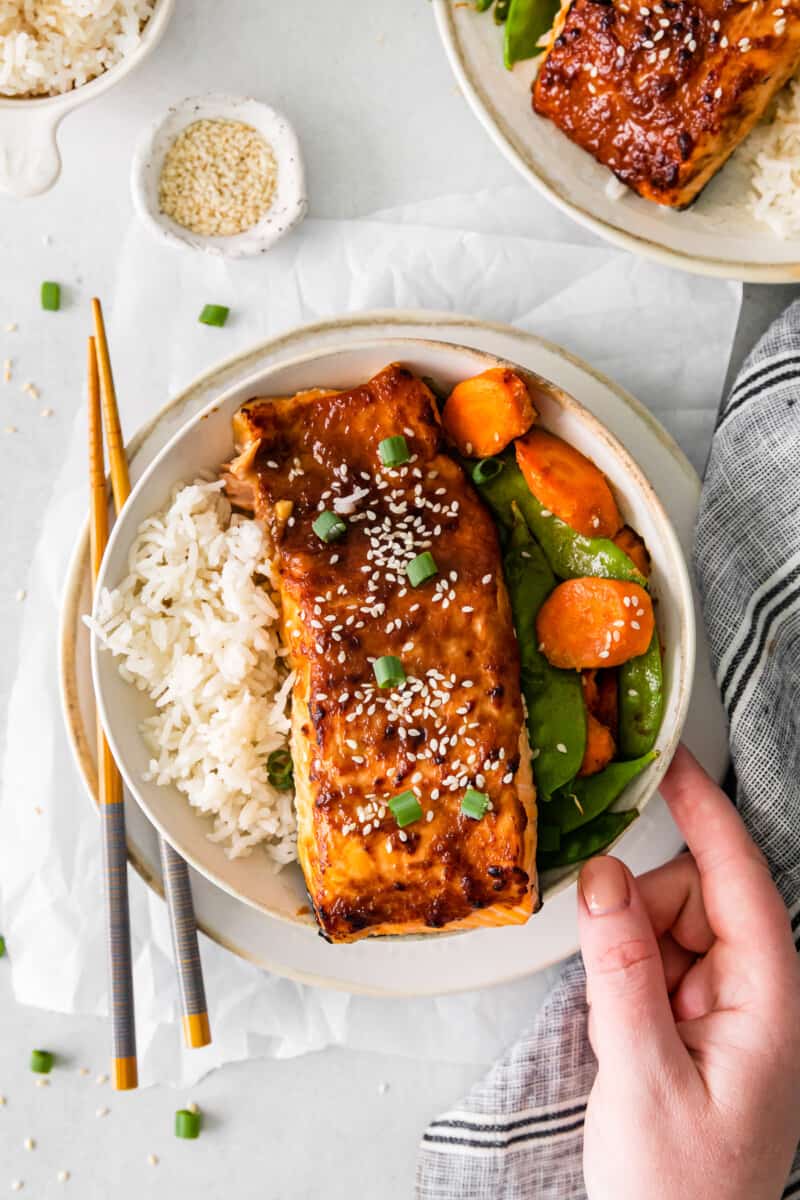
point(604, 884)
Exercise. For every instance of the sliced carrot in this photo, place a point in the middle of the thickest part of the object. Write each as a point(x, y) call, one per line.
point(607, 711)
point(568, 484)
point(601, 696)
point(483, 414)
point(631, 544)
point(600, 746)
point(594, 622)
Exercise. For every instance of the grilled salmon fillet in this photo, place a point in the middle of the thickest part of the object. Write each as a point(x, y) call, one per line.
point(662, 93)
point(457, 720)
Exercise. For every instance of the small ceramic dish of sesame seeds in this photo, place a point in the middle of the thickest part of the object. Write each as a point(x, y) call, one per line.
point(206, 442)
point(220, 174)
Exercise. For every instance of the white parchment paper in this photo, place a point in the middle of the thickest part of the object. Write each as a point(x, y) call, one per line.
point(506, 257)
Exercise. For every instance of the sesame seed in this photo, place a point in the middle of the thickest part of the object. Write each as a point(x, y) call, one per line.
point(29, 1144)
point(152, 1160)
point(62, 1176)
point(561, 748)
point(102, 1112)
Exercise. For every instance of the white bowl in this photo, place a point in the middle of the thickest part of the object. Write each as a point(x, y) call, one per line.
point(29, 159)
point(206, 441)
point(289, 204)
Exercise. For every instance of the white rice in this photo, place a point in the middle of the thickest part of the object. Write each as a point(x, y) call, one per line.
point(52, 46)
point(194, 626)
point(772, 153)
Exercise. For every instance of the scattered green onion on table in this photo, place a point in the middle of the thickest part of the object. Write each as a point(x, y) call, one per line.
point(214, 314)
point(51, 296)
point(41, 1062)
point(187, 1123)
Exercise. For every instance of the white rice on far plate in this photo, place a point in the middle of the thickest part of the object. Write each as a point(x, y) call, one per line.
point(52, 46)
point(195, 626)
point(772, 153)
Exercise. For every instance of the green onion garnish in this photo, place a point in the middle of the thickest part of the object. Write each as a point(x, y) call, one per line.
point(406, 808)
point(421, 568)
point(51, 296)
point(393, 451)
point(548, 838)
point(187, 1123)
point(214, 314)
point(486, 469)
point(474, 804)
point(280, 771)
point(388, 671)
point(41, 1062)
point(2, 946)
point(329, 526)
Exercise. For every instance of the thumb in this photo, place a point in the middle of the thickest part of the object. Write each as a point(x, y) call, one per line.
point(631, 1020)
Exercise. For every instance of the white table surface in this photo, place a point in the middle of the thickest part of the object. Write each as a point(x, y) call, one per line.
point(381, 123)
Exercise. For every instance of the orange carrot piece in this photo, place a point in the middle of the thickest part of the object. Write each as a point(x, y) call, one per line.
point(601, 697)
point(600, 746)
point(594, 622)
point(483, 414)
point(631, 544)
point(568, 484)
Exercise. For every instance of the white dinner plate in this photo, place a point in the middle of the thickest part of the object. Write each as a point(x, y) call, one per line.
point(716, 236)
point(405, 966)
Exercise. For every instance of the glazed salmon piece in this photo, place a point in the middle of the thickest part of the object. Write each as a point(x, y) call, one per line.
point(456, 722)
point(663, 93)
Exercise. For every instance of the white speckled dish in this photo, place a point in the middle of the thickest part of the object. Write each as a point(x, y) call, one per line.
point(29, 159)
point(718, 235)
point(289, 204)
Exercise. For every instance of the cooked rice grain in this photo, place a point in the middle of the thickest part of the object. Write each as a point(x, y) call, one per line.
point(52, 46)
point(194, 626)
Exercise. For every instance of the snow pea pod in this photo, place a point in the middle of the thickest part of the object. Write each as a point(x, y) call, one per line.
point(554, 698)
point(527, 21)
point(641, 701)
point(570, 554)
point(584, 799)
point(588, 840)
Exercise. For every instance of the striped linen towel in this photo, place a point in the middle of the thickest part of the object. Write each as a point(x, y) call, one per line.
point(518, 1134)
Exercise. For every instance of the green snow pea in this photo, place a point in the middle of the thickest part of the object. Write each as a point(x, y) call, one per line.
point(641, 701)
point(548, 838)
point(554, 698)
point(483, 5)
point(584, 799)
point(588, 840)
point(570, 554)
point(527, 21)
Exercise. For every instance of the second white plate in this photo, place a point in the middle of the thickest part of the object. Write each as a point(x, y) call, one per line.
point(716, 236)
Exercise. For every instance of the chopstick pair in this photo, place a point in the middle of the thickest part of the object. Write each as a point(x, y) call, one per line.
point(194, 1010)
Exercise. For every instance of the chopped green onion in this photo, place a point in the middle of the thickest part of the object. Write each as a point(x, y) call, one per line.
point(474, 804)
point(51, 296)
point(2, 946)
point(486, 469)
point(388, 671)
point(421, 568)
point(280, 771)
point(548, 838)
point(41, 1062)
point(214, 314)
point(329, 526)
point(187, 1123)
point(394, 451)
point(406, 808)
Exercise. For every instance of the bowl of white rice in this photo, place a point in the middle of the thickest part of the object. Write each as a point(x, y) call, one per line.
point(54, 56)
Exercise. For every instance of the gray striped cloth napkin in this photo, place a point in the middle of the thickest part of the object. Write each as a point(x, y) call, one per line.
point(518, 1134)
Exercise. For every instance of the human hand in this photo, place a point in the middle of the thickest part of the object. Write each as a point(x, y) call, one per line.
point(694, 992)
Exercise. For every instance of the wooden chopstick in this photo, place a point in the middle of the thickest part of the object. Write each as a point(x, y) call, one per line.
point(124, 1072)
point(177, 885)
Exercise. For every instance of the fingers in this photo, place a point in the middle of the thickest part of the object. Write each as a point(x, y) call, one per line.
point(741, 902)
point(675, 960)
point(673, 898)
point(631, 1019)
